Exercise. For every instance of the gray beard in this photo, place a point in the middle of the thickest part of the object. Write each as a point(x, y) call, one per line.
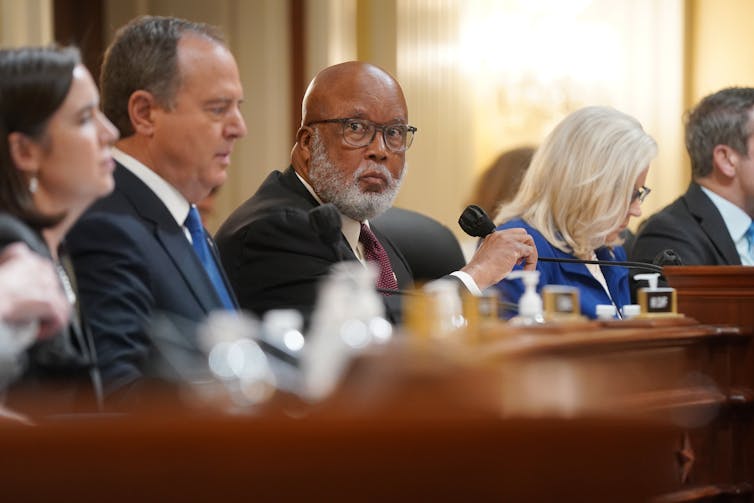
point(332, 186)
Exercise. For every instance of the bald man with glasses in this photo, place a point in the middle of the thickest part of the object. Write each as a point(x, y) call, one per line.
point(350, 151)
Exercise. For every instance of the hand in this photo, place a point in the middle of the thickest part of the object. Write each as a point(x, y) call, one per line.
point(30, 290)
point(499, 252)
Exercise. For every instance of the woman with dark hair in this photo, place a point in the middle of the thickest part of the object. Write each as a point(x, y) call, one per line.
point(54, 162)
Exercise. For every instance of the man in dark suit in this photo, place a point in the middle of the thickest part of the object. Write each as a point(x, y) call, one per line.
point(711, 224)
point(172, 88)
point(349, 151)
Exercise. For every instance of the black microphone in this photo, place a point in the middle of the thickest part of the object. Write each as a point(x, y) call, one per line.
point(475, 222)
point(667, 257)
point(326, 222)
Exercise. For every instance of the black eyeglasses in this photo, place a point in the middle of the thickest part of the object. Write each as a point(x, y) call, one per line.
point(361, 132)
point(640, 194)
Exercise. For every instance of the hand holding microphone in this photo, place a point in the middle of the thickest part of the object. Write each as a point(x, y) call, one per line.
point(499, 252)
point(475, 222)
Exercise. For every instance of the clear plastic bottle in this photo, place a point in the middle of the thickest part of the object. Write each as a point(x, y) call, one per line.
point(530, 303)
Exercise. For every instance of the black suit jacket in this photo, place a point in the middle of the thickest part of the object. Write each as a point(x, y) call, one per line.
point(136, 265)
point(692, 227)
point(63, 367)
point(275, 259)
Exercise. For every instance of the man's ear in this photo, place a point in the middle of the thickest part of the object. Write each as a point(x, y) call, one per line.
point(304, 138)
point(304, 141)
point(24, 152)
point(302, 150)
point(725, 159)
point(141, 107)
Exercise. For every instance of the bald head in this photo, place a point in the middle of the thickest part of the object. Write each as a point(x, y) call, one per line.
point(351, 145)
point(351, 89)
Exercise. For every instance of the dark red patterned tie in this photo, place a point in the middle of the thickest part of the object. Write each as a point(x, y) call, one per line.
point(374, 252)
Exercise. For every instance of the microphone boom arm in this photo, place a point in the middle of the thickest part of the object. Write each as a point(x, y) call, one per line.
point(635, 265)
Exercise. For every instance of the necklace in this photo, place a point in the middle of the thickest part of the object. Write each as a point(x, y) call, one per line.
point(66, 282)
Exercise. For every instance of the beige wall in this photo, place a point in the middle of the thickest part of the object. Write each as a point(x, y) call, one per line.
point(674, 52)
point(720, 44)
point(25, 22)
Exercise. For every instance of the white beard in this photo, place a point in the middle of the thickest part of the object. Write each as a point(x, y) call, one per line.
point(334, 187)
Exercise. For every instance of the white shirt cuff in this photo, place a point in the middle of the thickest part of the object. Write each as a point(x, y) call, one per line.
point(468, 282)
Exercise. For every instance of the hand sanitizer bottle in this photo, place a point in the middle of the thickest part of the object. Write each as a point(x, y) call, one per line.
point(530, 303)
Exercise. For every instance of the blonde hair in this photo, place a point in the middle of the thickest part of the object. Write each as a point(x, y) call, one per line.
point(579, 185)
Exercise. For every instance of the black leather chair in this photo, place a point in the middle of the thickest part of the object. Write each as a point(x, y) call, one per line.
point(431, 249)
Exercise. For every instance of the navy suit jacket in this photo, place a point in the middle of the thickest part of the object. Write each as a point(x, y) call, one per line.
point(692, 227)
point(135, 264)
point(275, 259)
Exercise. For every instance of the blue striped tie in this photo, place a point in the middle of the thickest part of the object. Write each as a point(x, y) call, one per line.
point(199, 238)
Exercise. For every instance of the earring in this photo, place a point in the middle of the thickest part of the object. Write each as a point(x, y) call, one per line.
point(33, 184)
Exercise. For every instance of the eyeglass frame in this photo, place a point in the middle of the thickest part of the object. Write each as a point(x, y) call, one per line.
point(410, 131)
point(640, 194)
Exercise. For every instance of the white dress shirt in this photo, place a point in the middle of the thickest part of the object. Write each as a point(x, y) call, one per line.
point(176, 204)
point(352, 229)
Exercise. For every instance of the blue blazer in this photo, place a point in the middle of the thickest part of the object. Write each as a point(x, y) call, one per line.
point(134, 267)
point(591, 292)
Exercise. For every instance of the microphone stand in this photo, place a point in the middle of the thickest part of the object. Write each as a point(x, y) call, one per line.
point(635, 265)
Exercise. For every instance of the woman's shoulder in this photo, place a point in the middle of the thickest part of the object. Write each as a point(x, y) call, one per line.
point(539, 239)
point(515, 223)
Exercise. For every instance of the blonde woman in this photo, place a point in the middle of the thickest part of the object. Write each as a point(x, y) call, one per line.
point(584, 184)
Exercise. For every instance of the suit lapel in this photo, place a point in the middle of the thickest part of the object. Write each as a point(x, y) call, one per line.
point(170, 236)
point(712, 223)
point(289, 179)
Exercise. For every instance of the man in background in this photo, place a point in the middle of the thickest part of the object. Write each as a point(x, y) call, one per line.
point(172, 87)
point(349, 151)
point(711, 224)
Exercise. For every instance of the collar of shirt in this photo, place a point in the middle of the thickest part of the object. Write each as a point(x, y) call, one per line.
point(596, 271)
point(351, 228)
point(736, 220)
point(173, 200)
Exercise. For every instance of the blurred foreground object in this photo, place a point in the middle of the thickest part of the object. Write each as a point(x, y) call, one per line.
point(602, 413)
